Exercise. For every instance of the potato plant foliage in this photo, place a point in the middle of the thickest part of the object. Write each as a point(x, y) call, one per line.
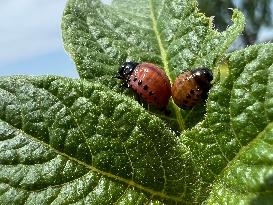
point(89, 141)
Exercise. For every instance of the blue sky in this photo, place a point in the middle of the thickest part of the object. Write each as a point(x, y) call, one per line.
point(30, 38)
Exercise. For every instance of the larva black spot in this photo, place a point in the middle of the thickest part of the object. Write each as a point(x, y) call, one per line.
point(139, 82)
point(191, 87)
point(151, 93)
point(145, 87)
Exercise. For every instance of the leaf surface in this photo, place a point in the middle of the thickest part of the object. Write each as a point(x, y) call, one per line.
point(65, 141)
point(248, 178)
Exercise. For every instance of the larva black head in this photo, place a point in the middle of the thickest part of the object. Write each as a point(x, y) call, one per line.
point(126, 70)
point(204, 74)
point(203, 77)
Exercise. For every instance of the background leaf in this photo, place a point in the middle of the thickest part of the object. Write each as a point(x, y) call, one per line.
point(258, 15)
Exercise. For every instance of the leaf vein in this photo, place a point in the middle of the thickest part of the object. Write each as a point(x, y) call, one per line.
point(164, 58)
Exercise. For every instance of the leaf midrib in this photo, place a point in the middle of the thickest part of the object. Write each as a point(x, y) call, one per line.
point(164, 57)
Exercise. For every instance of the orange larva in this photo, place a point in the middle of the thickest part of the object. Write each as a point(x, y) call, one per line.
point(149, 82)
point(191, 87)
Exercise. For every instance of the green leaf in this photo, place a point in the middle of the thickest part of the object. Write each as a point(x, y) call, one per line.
point(69, 141)
point(171, 34)
point(232, 145)
point(248, 178)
